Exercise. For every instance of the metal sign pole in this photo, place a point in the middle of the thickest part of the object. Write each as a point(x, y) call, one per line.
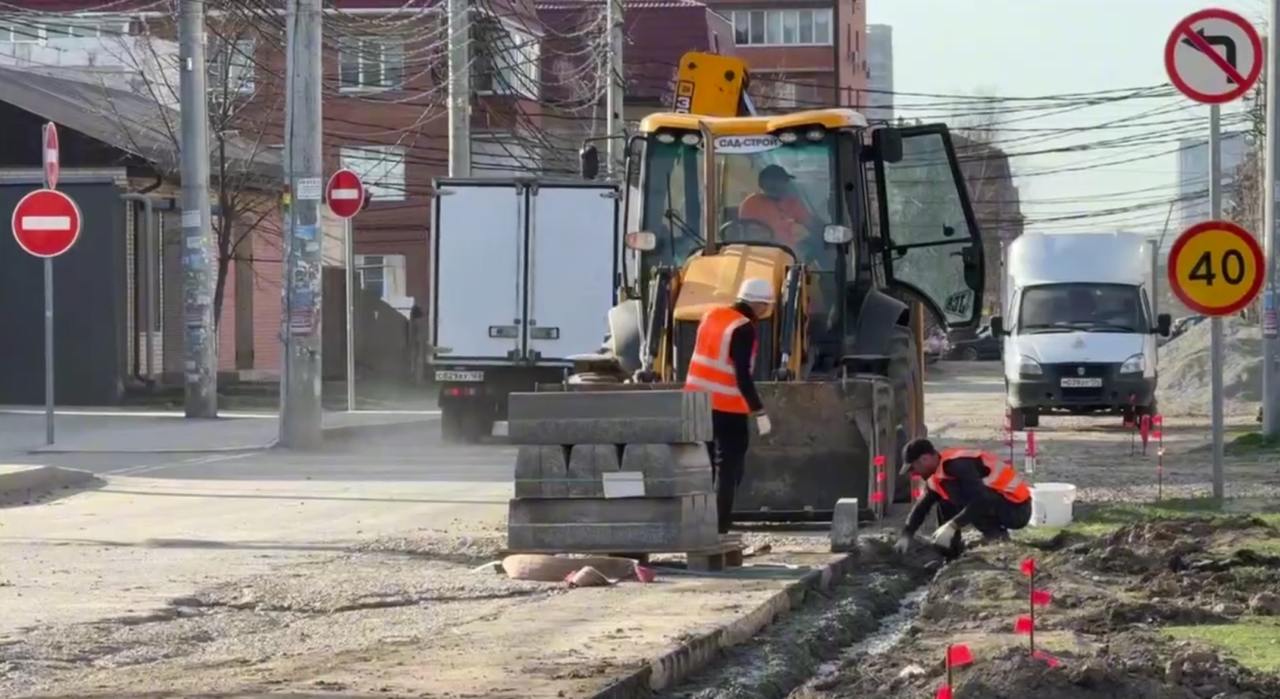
point(351, 325)
point(48, 350)
point(1215, 323)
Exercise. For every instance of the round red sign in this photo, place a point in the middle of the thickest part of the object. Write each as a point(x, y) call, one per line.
point(345, 193)
point(46, 223)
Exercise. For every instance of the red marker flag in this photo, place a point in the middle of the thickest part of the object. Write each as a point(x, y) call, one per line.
point(959, 655)
point(944, 692)
point(1023, 625)
point(1028, 566)
point(879, 461)
point(1041, 598)
point(877, 497)
point(882, 476)
point(1048, 659)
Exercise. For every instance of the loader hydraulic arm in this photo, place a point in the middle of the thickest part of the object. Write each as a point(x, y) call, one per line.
point(712, 85)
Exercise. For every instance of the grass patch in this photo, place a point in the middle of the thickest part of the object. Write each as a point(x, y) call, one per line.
point(1254, 641)
point(1101, 519)
point(1252, 443)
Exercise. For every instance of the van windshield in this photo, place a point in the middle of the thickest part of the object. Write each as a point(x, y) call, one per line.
point(1117, 308)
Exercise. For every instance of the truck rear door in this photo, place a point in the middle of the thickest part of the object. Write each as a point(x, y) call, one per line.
point(479, 272)
point(573, 254)
point(932, 246)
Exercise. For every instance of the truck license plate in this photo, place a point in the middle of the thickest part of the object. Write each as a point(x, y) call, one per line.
point(1082, 383)
point(460, 376)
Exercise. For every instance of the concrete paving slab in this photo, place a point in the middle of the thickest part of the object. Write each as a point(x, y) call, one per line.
point(609, 417)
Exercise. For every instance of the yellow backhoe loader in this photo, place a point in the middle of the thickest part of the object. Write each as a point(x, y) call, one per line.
point(874, 217)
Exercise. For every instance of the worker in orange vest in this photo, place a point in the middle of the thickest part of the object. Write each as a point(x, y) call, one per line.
point(722, 364)
point(968, 486)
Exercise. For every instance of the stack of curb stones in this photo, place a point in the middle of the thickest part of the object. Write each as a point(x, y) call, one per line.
point(575, 445)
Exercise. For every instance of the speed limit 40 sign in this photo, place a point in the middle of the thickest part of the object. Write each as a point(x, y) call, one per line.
point(1216, 268)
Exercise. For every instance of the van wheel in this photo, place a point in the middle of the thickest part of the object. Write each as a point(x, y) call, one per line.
point(1031, 417)
point(1017, 420)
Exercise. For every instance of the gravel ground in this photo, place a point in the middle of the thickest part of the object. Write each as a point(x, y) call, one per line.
point(235, 629)
point(965, 406)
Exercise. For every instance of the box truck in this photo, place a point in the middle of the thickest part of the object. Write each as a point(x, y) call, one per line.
point(525, 272)
point(1080, 327)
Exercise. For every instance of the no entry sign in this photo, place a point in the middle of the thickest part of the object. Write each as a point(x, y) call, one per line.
point(51, 156)
point(345, 193)
point(1215, 268)
point(1213, 56)
point(46, 223)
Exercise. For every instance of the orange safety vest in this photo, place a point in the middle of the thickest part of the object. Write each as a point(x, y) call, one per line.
point(1000, 477)
point(711, 368)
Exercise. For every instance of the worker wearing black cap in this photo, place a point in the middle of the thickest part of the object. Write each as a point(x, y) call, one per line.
point(969, 486)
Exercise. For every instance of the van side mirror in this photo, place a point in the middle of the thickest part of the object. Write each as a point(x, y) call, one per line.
point(1164, 324)
point(997, 326)
point(888, 144)
point(589, 162)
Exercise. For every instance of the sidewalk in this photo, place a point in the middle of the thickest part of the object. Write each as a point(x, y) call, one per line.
point(112, 430)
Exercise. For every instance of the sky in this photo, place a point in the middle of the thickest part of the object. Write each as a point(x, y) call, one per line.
point(1032, 48)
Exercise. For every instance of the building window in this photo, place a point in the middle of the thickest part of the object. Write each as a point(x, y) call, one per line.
point(371, 64)
point(231, 66)
point(506, 61)
point(782, 27)
point(381, 169)
point(384, 277)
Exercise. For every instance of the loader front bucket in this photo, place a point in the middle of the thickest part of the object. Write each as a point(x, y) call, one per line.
point(825, 437)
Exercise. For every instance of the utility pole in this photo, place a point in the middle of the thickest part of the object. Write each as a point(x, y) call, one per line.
point(615, 125)
point(1215, 323)
point(300, 413)
point(1270, 231)
point(201, 349)
point(459, 88)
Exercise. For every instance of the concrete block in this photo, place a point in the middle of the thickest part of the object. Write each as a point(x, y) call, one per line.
point(542, 472)
point(670, 470)
point(587, 464)
point(587, 525)
point(844, 525)
point(609, 417)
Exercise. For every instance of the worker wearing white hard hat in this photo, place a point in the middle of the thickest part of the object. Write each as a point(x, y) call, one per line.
point(722, 364)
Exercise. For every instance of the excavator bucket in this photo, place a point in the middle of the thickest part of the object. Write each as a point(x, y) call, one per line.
point(823, 447)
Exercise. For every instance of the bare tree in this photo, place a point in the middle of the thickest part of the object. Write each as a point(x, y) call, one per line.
point(244, 103)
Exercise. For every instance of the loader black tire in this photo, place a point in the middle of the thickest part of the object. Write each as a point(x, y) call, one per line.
point(906, 377)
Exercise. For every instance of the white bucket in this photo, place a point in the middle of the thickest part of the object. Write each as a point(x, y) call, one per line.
point(1051, 504)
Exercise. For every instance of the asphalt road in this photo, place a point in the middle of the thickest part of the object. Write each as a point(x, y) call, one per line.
point(414, 453)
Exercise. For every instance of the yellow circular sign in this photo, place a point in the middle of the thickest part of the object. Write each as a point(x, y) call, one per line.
point(1215, 268)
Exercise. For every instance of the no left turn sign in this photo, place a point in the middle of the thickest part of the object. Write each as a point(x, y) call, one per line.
point(1214, 56)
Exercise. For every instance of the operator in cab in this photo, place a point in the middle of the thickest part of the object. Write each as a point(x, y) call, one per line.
point(969, 487)
point(722, 364)
point(777, 206)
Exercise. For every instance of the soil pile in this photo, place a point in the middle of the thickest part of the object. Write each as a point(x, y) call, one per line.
point(1184, 369)
point(1110, 597)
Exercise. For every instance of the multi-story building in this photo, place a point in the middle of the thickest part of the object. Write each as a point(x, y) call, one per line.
point(880, 66)
point(802, 53)
point(384, 115)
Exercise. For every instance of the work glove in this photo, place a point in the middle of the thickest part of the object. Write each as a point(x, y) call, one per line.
point(763, 426)
point(944, 534)
point(903, 544)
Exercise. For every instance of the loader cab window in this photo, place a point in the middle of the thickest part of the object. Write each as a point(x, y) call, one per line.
point(769, 191)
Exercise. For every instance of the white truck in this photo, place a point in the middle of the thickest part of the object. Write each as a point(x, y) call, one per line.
point(525, 272)
point(1080, 325)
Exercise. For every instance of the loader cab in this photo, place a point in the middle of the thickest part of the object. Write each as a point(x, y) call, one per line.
point(861, 208)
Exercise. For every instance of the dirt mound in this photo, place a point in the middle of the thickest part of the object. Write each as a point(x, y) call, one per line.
point(1185, 376)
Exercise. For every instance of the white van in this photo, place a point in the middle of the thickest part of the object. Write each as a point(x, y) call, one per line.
point(1080, 326)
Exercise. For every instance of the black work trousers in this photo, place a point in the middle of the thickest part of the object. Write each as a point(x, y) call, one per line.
point(989, 513)
point(728, 460)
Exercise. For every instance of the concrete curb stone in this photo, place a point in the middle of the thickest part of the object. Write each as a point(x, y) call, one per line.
point(677, 664)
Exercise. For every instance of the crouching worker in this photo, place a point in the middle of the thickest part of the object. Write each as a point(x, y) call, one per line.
point(969, 487)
